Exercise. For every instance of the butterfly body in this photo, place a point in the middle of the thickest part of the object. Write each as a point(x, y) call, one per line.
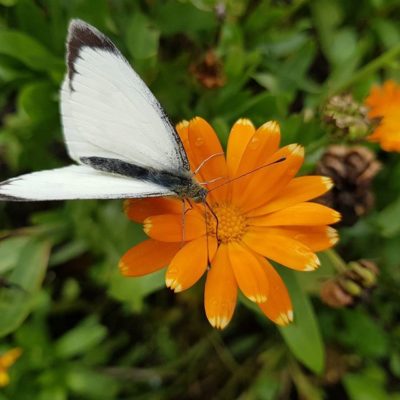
point(179, 182)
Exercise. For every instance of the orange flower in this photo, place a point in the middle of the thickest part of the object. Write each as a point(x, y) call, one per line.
point(384, 103)
point(6, 361)
point(265, 214)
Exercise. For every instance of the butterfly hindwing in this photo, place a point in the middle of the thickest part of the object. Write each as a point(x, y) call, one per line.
point(77, 182)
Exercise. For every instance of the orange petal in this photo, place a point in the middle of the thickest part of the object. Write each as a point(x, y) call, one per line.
point(205, 144)
point(383, 99)
point(282, 249)
point(139, 209)
point(239, 137)
point(388, 132)
point(260, 148)
point(9, 357)
point(278, 308)
point(183, 131)
point(317, 238)
point(298, 190)
point(147, 257)
point(262, 145)
point(248, 272)
point(190, 263)
point(268, 182)
point(220, 291)
point(300, 214)
point(175, 228)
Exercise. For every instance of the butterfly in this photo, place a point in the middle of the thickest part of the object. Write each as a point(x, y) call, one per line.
point(115, 130)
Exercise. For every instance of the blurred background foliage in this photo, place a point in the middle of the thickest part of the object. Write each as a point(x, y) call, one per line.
point(87, 333)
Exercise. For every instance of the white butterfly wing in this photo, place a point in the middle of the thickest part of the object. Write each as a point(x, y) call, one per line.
point(108, 111)
point(76, 182)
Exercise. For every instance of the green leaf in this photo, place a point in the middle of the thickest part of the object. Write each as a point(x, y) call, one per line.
point(38, 100)
point(8, 3)
point(389, 219)
point(303, 336)
point(327, 15)
point(133, 290)
point(9, 252)
point(90, 384)
point(28, 273)
point(28, 51)
point(174, 17)
point(142, 39)
point(364, 334)
point(367, 385)
point(86, 335)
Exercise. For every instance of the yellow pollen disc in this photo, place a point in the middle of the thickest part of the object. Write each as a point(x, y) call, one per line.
point(232, 224)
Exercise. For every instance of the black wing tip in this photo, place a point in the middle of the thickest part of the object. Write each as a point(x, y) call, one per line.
point(78, 24)
point(6, 197)
point(81, 34)
point(9, 197)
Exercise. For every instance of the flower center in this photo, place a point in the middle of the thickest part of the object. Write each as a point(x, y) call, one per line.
point(231, 223)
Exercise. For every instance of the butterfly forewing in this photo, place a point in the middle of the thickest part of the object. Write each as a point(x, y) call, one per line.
point(109, 109)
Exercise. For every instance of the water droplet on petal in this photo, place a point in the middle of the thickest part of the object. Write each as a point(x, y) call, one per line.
point(199, 141)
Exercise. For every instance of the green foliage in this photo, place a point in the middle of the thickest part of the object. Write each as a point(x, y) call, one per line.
point(303, 336)
point(88, 333)
point(27, 275)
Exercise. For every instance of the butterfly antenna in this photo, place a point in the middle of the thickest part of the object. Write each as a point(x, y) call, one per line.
point(211, 181)
point(196, 171)
point(279, 160)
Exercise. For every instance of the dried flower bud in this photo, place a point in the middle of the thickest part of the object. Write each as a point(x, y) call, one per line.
point(351, 285)
point(346, 119)
point(209, 71)
point(334, 295)
point(352, 170)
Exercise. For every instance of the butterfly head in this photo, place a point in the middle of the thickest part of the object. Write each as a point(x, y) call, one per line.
point(196, 192)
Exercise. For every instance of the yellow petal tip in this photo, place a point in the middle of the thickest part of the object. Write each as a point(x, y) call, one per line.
point(272, 126)
point(328, 182)
point(194, 120)
point(147, 225)
point(244, 121)
point(258, 298)
point(178, 288)
point(284, 319)
point(332, 235)
point(182, 124)
point(313, 264)
point(296, 150)
point(336, 216)
point(173, 284)
point(124, 269)
point(219, 322)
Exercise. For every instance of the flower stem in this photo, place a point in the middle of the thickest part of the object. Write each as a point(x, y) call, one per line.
point(336, 260)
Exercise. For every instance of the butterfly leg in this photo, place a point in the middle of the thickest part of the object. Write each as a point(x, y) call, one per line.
point(184, 211)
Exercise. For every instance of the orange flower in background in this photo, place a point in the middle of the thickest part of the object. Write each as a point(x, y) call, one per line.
point(384, 103)
point(265, 214)
point(6, 361)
